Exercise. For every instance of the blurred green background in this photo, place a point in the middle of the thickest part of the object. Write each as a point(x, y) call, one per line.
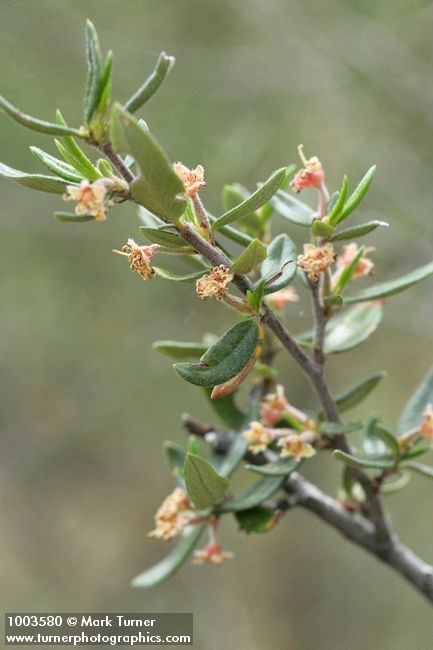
point(87, 403)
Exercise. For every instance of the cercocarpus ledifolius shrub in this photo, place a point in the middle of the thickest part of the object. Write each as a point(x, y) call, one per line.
point(272, 439)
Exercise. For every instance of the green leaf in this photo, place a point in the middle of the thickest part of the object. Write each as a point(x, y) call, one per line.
point(157, 188)
point(35, 124)
point(253, 255)
point(239, 445)
point(361, 462)
point(163, 237)
point(168, 275)
point(235, 235)
point(393, 286)
point(255, 201)
point(378, 441)
point(349, 329)
point(70, 217)
point(163, 66)
point(339, 428)
point(338, 205)
point(93, 89)
point(179, 350)
point(176, 456)
point(225, 407)
point(419, 468)
point(225, 359)
point(414, 452)
point(357, 231)
point(205, 487)
point(39, 182)
point(253, 497)
point(279, 264)
point(194, 446)
point(74, 155)
point(174, 560)
point(321, 229)
point(395, 483)
point(256, 520)
point(281, 467)
point(358, 392)
point(58, 167)
point(333, 299)
point(413, 411)
point(255, 297)
point(347, 272)
point(356, 197)
point(292, 209)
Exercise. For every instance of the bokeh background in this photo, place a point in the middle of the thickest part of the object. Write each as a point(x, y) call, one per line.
point(87, 403)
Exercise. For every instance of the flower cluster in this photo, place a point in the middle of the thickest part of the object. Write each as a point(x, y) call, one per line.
point(172, 516)
point(214, 284)
point(312, 175)
point(273, 409)
point(90, 197)
point(139, 258)
point(316, 260)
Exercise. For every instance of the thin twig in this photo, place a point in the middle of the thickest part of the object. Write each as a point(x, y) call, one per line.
point(117, 162)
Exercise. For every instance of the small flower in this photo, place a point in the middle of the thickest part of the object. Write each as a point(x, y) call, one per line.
point(139, 258)
point(350, 251)
point(316, 260)
point(295, 445)
point(172, 516)
point(212, 554)
point(311, 176)
point(274, 405)
point(192, 179)
point(214, 284)
point(282, 298)
point(426, 426)
point(90, 197)
point(258, 437)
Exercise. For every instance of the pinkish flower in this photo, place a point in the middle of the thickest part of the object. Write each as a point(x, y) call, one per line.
point(192, 179)
point(139, 258)
point(212, 554)
point(316, 260)
point(282, 298)
point(312, 175)
point(350, 251)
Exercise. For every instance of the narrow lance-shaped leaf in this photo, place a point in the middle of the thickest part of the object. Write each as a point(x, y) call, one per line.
point(251, 257)
point(74, 155)
point(204, 485)
point(174, 560)
point(58, 167)
point(227, 411)
point(348, 271)
point(358, 392)
point(157, 188)
point(168, 275)
point(253, 497)
point(261, 196)
point(356, 197)
point(357, 231)
point(94, 63)
point(349, 329)
point(363, 463)
point(281, 467)
point(70, 217)
point(392, 287)
point(40, 182)
point(338, 205)
point(413, 411)
point(34, 124)
point(239, 445)
point(292, 209)
point(419, 468)
point(279, 264)
point(225, 359)
point(163, 237)
point(179, 350)
point(163, 66)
